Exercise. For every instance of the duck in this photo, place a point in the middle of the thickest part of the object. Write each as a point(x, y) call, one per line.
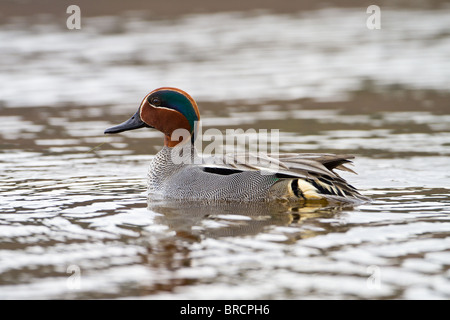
point(179, 171)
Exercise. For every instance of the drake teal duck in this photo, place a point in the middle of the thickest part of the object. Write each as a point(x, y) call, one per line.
point(301, 177)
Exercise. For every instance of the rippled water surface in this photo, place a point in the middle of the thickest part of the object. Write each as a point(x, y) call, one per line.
point(74, 218)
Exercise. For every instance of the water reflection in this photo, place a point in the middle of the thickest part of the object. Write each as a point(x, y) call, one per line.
point(198, 220)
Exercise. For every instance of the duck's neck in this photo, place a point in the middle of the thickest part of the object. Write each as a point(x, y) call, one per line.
point(168, 161)
point(183, 139)
point(168, 142)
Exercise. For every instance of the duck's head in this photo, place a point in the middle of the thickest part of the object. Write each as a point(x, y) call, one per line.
point(165, 109)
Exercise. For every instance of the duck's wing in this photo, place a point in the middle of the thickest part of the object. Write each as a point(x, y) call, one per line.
point(303, 165)
point(330, 161)
point(307, 174)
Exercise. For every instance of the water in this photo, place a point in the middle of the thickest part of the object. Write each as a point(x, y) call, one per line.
point(236, 56)
point(74, 218)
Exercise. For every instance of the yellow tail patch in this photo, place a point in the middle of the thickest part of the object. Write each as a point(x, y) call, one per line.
point(308, 190)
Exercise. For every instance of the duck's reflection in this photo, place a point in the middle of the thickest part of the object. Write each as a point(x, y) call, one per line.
point(191, 223)
point(196, 220)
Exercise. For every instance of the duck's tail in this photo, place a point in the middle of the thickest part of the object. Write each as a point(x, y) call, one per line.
point(315, 189)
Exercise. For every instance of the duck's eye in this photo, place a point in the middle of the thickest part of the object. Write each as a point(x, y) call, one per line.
point(155, 101)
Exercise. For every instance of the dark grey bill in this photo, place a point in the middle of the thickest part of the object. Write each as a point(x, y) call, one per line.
point(134, 122)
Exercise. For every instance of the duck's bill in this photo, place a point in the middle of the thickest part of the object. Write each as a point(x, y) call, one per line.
point(134, 122)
